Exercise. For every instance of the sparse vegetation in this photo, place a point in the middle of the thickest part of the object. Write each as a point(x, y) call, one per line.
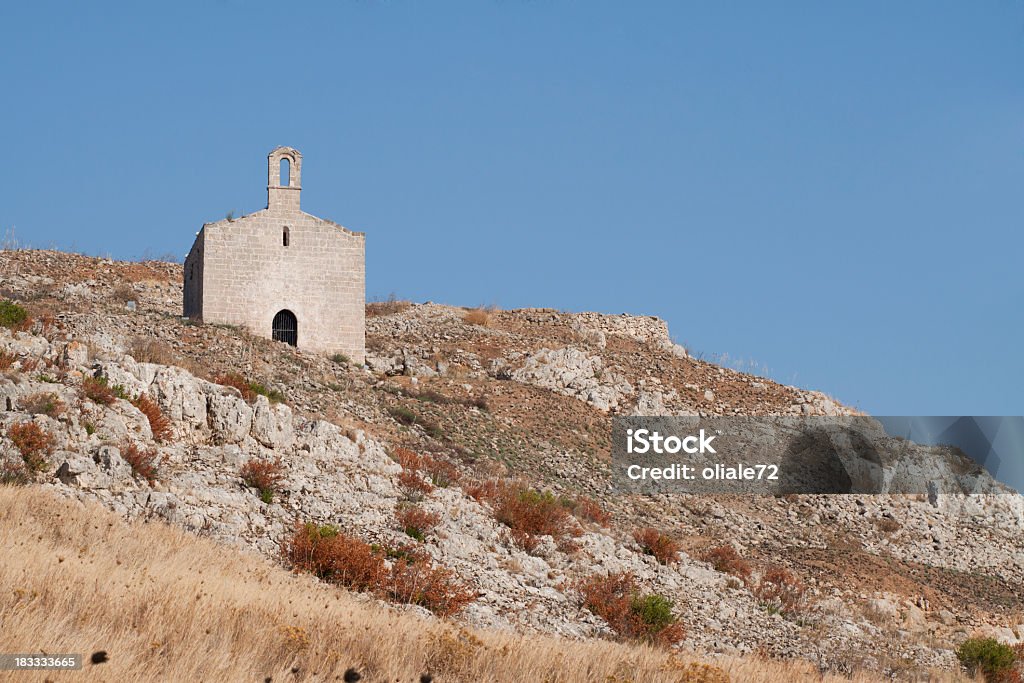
point(263, 475)
point(781, 592)
point(33, 443)
point(143, 461)
point(43, 403)
point(725, 559)
point(7, 360)
point(662, 547)
point(340, 359)
point(409, 418)
point(97, 390)
point(390, 307)
point(529, 513)
point(633, 615)
point(159, 424)
point(589, 510)
point(478, 316)
point(14, 473)
point(251, 615)
point(421, 473)
point(415, 521)
point(149, 350)
point(347, 561)
point(249, 389)
point(124, 293)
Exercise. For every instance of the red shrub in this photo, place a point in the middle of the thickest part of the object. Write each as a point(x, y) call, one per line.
point(484, 491)
point(530, 513)
point(347, 561)
point(725, 559)
point(264, 475)
point(233, 379)
point(590, 510)
point(33, 442)
point(415, 521)
point(7, 359)
point(158, 422)
point(421, 473)
point(334, 556)
point(143, 461)
point(616, 598)
point(655, 543)
point(782, 592)
point(96, 390)
point(415, 581)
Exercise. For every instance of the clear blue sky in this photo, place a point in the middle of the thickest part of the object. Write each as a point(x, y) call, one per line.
point(830, 192)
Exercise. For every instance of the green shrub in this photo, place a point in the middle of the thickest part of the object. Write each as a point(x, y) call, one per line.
point(340, 359)
point(986, 656)
point(12, 315)
point(654, 610)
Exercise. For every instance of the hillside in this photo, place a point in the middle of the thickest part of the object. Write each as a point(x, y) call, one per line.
point(453, 406)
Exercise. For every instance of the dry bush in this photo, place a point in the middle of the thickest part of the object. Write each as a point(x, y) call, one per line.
point(415, 581)
point(265, 475)
point(143, 461)
point(149, 350)
point(249, 615)
point(43, 403)
point(590, 510)
point(725, 559)
point(662, 547)
point(617, 599)
point(781, 592)
point(478, 316)
point(347, 561)
point(159, 423)
point(248, 388)
point(14, 473)
point(390, 307)
point(124, 293)
point(415, 521)
point(98, 391)
point(421, 473)
point(233, 379)
point(333, 556)
point(7, 359)
point(529, 513)
point(887, 525)
point(33, 442)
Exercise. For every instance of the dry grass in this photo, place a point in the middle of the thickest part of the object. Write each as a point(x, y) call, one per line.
point(168, 606)
point(149, 350)
point(390, 307)
point(478, 316)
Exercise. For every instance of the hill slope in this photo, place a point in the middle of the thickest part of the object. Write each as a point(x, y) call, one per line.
point(892, 582)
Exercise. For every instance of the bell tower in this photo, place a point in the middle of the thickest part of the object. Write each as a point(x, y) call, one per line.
point(284, 179)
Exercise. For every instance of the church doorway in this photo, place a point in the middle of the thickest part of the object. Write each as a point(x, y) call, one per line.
point(286, 328)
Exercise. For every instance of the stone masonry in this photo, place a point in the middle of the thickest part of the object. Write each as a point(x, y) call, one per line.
point(246, 271)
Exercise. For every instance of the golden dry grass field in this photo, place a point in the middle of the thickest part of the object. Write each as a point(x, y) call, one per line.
point(168, 606)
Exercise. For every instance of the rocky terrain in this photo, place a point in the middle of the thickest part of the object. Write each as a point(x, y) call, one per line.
point(893, 582)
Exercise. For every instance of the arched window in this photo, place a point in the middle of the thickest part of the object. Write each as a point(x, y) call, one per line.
point(286, 328)
point(286, 236)
point(286, 172)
